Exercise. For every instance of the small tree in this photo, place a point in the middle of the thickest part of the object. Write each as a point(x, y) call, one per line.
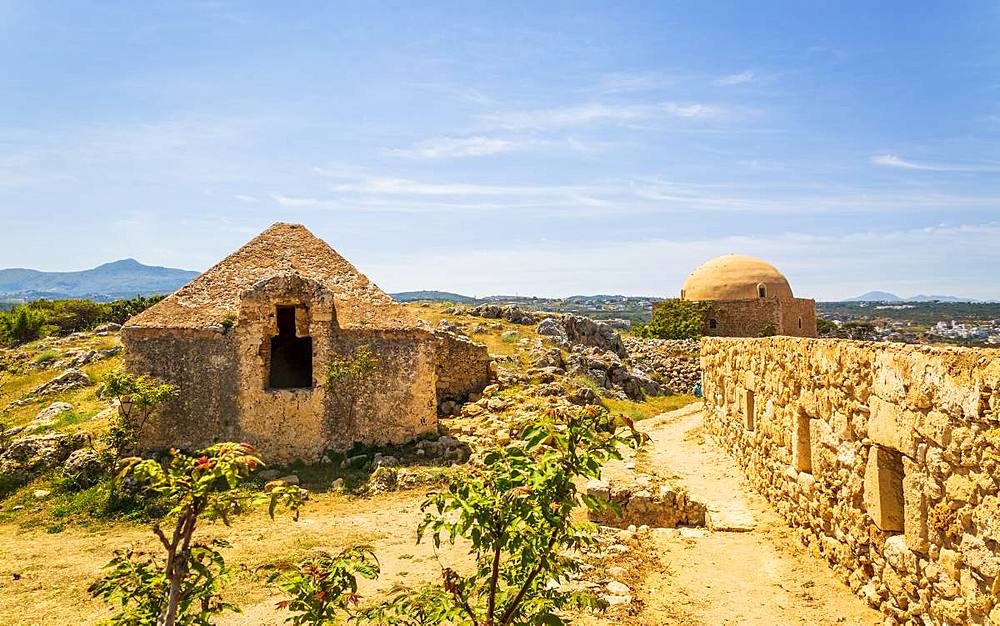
point(22, 325)
point(349, 375)
point(184, 587)
point(137, 397)
point(324, 586)
point(516, 513)
point(676, 319)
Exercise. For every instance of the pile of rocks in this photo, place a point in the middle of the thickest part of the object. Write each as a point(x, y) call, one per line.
point(674, 362)
point(70, 379)
point(25, 458)
point(645, 501)
point(609, 371)
point(573, 330)
point(508, 312)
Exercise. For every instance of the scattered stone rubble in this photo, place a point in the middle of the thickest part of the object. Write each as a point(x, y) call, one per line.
point(27, 457)
point(672, 362)
point(511, 313)
point(47, 416)
point(646, 501)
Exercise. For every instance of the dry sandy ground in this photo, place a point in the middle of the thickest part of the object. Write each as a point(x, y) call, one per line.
point(758, 575)
point(688, 577)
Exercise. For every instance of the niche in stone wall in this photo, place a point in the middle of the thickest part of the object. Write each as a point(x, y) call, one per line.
point(747, 408)
point(290, 356)
point(883, 497)
point(802, 443)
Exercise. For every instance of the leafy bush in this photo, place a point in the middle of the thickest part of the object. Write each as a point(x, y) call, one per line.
point(351, 370)
point(46, 356)
point(675, 319)
point(137, 396)
point(120, 310)
point(21, 325)
point(9, 367)
point(184, 588)
point(27, 322)
point(324, 585)
point(825, 328)
point(70, 316)
point(516, 513)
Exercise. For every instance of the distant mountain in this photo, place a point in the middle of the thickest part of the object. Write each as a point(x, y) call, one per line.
point(923, 298)
point(120, 279)
point(434, 296)
point(885, 296)
point(876, 296)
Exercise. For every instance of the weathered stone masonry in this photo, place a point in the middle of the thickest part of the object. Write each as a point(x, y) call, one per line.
point(249, 343)
point(885, 456)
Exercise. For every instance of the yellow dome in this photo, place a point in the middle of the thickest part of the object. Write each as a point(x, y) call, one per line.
point(735, 277)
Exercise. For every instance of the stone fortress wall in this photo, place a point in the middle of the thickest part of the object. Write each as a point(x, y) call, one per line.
point(794, 317)
point(885, 457)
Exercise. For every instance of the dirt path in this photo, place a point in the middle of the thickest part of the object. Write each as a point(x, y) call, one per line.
point(747, 567)
point(685, 577)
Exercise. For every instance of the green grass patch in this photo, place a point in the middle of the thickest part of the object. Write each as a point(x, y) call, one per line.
point(651, 407)
point(46, 356)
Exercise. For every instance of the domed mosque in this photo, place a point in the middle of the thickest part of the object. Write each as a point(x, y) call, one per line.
point(750, 298)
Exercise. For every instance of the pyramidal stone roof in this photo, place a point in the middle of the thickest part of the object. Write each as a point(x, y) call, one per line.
point(215, 295)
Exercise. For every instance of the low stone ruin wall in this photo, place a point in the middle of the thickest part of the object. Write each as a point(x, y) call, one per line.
point(885, 456)
point(644, 501)
point(463, 367)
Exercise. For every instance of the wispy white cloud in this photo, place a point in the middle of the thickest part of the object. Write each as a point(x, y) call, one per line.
point(450, 147)
point(372, 192)
point(880, 260)
point(736, 79)
point(596, 112)
point(623, 82)
point(892, 160)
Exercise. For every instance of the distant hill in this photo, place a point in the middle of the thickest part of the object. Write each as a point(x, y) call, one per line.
point(885, 296)
point(876, 296)
point(434, 296)
point(119, 279)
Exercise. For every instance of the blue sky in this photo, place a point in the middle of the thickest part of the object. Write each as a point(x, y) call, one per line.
point(531, 148)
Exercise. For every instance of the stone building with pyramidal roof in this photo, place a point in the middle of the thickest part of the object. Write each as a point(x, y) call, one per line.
point(250, 343)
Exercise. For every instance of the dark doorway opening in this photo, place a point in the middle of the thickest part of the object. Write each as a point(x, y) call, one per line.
point(291, 356)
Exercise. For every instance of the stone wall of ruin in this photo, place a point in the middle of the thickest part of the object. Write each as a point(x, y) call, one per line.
point(202, 364)
point(754, 318)
point(393, 403)
point(463, 367)
point(886, 457)
point(225, 394)
point(798, 318)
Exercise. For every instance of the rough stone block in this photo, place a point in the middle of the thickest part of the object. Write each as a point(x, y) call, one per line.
point(883, 495)
point(915, 507)
point(801, 447)
point(749, 408)
point(891, 426)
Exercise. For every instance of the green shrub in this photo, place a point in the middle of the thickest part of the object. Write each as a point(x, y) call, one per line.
point(516, 515)
point(323, 586)
point(675, 319)
point(120, 310)
point(21, 325)
point(184, 587)
point(45, 357)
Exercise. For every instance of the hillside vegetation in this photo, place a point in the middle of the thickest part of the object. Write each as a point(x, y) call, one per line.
point(62, 517)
